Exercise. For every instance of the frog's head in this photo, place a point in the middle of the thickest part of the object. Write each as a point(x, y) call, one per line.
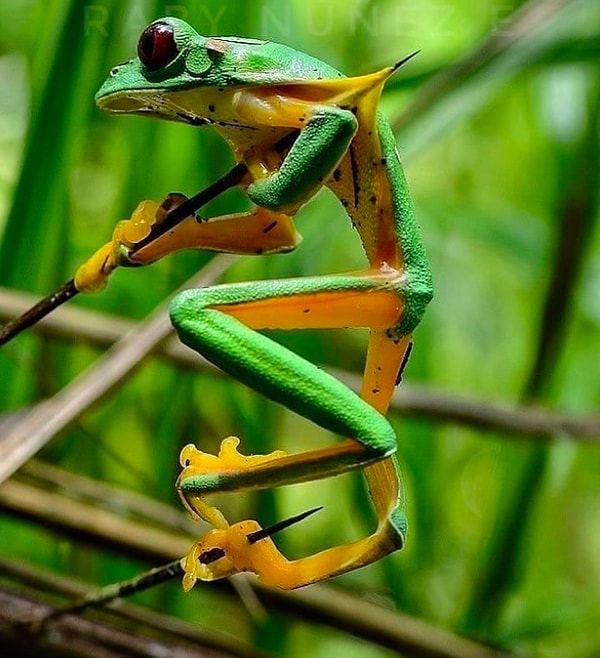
point(172, 56)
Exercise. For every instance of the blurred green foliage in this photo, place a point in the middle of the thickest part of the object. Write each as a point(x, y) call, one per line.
point(505, 540)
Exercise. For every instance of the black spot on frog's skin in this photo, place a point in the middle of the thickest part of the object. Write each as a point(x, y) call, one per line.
point(375, 391)
point(403, 364)
point(337, 175)
point(211, 108)
point(344, 202)
point(187, 462)
point(384, 161)
point(373, 199)
point(269, 227)
point(306, 310)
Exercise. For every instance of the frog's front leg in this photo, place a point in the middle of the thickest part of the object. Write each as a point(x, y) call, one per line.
point(325, 135)
point(259, 231)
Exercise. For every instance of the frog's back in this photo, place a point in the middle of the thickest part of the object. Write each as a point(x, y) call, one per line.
point(249, 61)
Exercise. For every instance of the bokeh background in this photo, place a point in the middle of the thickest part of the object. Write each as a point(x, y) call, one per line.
point(497, 126)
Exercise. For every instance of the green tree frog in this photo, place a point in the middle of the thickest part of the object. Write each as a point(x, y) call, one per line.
point(297, 125)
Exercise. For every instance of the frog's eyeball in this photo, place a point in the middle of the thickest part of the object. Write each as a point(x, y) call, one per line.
point(156, 47)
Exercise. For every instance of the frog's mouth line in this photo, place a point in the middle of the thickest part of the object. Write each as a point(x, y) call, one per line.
point(141, 104)
point(135, 102)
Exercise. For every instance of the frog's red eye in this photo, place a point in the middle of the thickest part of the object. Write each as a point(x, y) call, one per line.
point(157, 47)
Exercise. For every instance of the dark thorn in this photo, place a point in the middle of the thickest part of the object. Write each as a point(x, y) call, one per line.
point(402, 62)
point(253, 537)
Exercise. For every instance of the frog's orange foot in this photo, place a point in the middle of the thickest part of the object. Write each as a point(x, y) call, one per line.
point(221, 553)
point(246, 547)
point(93, 275)
point(207, 559)
point(196, 462)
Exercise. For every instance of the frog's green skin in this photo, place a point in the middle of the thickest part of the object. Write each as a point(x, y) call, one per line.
point(255, 93)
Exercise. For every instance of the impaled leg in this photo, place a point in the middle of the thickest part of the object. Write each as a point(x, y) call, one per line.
point(220, 324)
point(258, 231)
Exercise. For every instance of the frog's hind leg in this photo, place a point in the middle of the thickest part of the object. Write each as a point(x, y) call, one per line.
point(220, 323)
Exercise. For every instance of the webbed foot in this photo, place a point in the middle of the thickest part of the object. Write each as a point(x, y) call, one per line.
point(197, 464)
point(93, 275)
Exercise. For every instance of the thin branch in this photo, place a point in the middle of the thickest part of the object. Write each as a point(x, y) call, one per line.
point(521, 420)
point(51, 416)
point(38, 310)
point(79, 638)
point(320, 603)
point(48, 583)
